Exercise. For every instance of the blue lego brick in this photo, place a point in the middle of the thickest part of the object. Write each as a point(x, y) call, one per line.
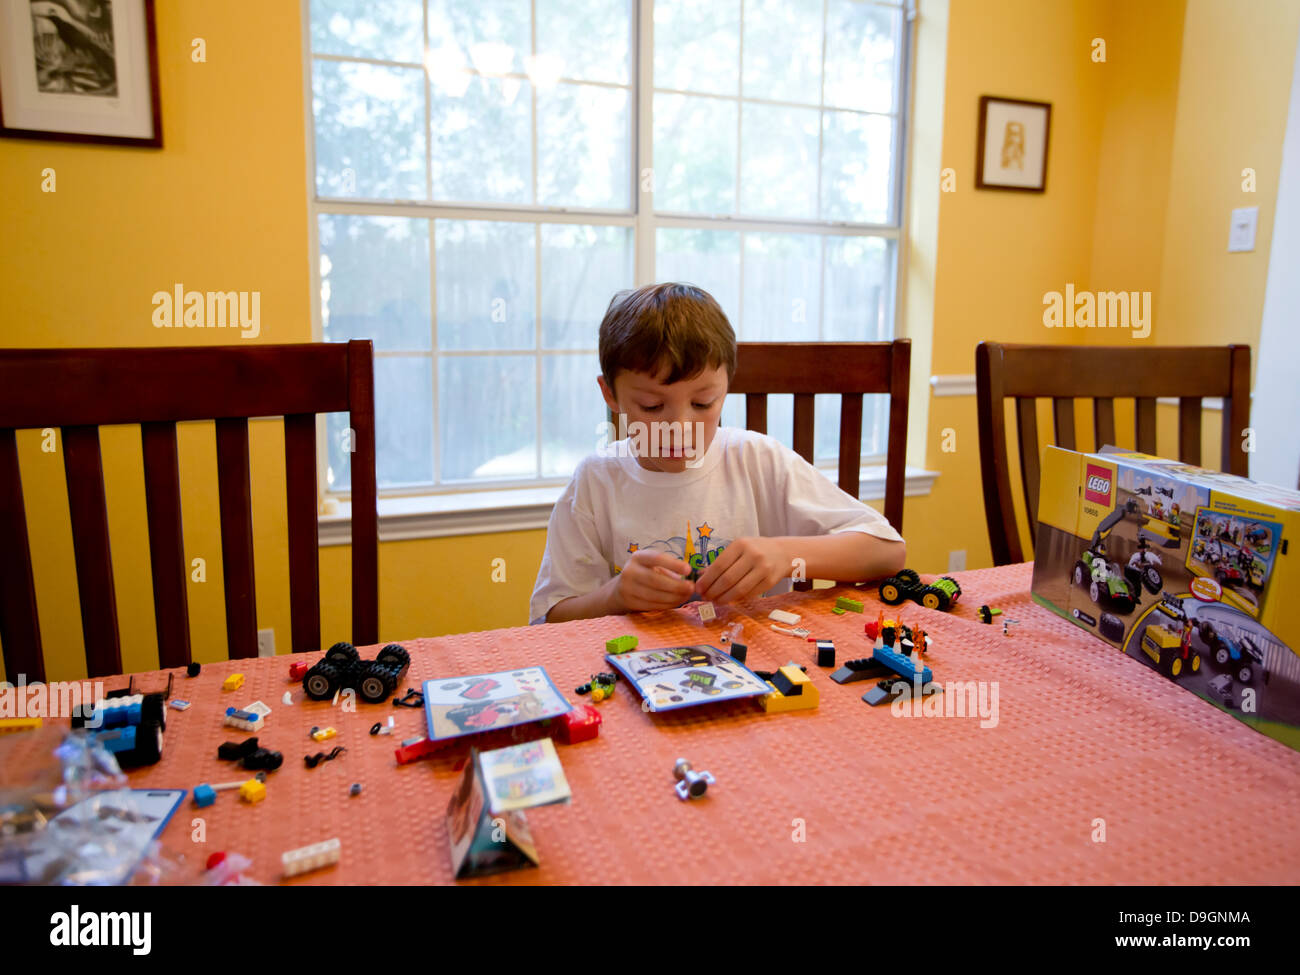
point(900, 664)
point(204, 795)
point(118, 739)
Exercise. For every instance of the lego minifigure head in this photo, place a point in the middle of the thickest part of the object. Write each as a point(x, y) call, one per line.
point(667, 355)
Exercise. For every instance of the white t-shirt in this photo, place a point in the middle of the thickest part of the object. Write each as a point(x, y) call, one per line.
point(746, 485)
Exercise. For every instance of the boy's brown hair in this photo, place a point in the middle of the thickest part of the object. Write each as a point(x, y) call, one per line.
point(675, 325)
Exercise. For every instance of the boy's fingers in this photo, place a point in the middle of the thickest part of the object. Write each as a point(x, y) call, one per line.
point(669, 562)
point(750, 584)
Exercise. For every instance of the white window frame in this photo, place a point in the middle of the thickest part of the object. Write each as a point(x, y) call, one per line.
point(507, 505)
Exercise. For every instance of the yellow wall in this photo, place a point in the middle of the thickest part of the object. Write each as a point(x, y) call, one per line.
point(1145, 159)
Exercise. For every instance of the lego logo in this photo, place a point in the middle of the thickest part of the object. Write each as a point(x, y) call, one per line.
point(1205, 589)
point(1096, 485)
point(1099, 484)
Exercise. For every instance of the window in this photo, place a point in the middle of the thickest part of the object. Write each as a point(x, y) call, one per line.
point(484, 171)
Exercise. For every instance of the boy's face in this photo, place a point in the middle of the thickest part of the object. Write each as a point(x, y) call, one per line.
point(659, 415)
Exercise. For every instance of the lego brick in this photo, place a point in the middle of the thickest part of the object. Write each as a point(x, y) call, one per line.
point(825, 653)
point(845, 604)
point(244, 720)
point(257, 707)
point(781, 616)
point(621, 644)
point(739, 652)
point(252, 791)
point(707, 612)
point(308, 858)
point(803, 693)
point(204, 795)
point(297, 670)
point(178, 705)
point(233, 683)
point(8, 725)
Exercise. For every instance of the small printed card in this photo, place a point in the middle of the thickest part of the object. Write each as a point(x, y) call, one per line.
point(523, 776)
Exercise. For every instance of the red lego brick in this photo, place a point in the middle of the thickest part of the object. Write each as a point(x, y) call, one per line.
point(580, 724)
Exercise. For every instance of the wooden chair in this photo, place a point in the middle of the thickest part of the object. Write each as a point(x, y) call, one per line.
point(1102, 374)
point(79, 390)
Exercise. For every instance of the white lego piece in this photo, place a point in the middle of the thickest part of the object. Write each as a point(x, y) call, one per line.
point(308, 858)
point(781, 616)
point(798, 631)
point(288, 698)
point(707, 612)
point(257, 707)
point(180, 705)
point(244, 725)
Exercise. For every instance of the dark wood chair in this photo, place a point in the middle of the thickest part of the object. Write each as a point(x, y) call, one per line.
point(1102, 374)
point(79, 390)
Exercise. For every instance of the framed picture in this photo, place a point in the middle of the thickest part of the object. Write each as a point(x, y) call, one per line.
point(80, 71)
point(1013, 139)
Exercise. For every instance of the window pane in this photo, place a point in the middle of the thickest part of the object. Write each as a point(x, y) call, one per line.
point(369, 131)
point(695, 154)
point(494, 35)
point(857, 152)
point(390, 30)
point(778, 156)
point(487, 416)
point(582, 267)
point(403, 426)
point(486, 284)
point(482, 141)
point(374, 280)
point(572, 411)
point(584, 137)
point(782, 288)
point(859, 279)
point(783, 50)
point(697, 45)
point(861, 45)
point(709, 259)
point(591, 38)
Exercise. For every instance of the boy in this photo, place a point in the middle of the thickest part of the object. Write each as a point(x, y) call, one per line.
point(705, 512)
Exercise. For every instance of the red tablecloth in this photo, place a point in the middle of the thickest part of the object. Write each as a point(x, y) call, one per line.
point(1098, 770)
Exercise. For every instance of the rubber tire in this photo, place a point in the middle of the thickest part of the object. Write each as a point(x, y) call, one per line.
point(1111, 627)
point(152, 708)
point(342, 654)
point(890, 593)
point(1094, 591)
point(148, 746)
point(1245, 675)
point(1153, 581)
point(1221, 656)
point(321, 681)
point(1175, 667)
point(1079, 574)
point(932, 599)
point(908, 577)
point(1196, 663)
point(393, 655)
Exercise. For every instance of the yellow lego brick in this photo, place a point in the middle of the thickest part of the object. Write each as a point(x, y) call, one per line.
point(8, 725)
point(252, 791)
point(323, 734)
point(233, 683)
point(806, 700)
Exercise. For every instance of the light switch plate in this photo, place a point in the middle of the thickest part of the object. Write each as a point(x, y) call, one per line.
point(1241, 234)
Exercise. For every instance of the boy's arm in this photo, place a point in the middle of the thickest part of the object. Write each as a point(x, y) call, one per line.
point(749, 567)
point(598, 602)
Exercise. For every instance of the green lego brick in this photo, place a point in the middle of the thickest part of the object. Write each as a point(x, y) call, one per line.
point(847, 604)
point(839, 611)
point(622, 644)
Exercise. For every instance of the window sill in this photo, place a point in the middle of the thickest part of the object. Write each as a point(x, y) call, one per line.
point(517, 509)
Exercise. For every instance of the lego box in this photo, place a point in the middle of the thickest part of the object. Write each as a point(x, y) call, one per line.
point(1184, 569)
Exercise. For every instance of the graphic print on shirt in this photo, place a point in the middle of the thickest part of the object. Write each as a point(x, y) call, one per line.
point(698, 548)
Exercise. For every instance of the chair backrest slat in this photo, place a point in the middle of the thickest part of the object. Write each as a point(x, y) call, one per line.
point(162, 492)
point(803, 426)
point(1102, 374)
point(1027, 425)
point(850, 478)
point(365, 498)
point(20, 629)
point(304, 539)
point(236, 503)
point(1103, 420)
point(88, 512)
point(1189, 430)
point(756, 412)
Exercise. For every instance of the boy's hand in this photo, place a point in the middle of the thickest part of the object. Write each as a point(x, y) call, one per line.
point(747, 567)
point(652, 580)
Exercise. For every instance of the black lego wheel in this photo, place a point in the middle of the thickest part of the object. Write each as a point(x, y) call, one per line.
point(148, 745)
point(152, 709)
point(342, 654)
point(890, 592)
point(321, 681)
point(1152, 580)
point(393, 655)
point(908, 577)
point(374, 683)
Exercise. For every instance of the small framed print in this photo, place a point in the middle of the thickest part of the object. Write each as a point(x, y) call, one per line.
point(80, 71)
point(1013, 141)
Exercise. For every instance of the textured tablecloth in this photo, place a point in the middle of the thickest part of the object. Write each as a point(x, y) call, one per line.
point(1097, 771)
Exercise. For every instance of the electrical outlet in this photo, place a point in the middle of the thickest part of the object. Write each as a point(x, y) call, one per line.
point(957, 560)
point(266, 643)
